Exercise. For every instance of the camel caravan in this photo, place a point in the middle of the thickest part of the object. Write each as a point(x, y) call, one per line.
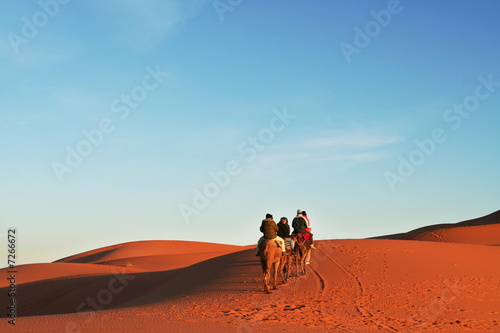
point(279, 250)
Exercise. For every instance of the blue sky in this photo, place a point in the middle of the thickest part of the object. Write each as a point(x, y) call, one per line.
point(376, 117)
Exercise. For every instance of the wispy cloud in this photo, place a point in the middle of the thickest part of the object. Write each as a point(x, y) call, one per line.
point(357, 139)
point(271, 159)
point(350, 146)
point(335, 151)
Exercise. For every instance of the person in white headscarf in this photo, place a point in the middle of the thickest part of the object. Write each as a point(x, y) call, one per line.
point(300, 225)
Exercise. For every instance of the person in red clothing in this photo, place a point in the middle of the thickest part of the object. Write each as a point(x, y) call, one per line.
point(308, 229)
point(301, 224)
point(304, 215)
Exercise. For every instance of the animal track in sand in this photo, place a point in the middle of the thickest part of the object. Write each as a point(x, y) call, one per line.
point(322, 282)
point(360, 297)
point(439, 236)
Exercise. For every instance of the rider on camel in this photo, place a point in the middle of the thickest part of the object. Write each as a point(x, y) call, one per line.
point(300, 225)
point(304, 215)
point(270, 229)
point(284, 232)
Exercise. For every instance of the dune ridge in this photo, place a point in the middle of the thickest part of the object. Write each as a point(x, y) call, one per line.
point(484, 230)
point(147, 248)
point(357, 285)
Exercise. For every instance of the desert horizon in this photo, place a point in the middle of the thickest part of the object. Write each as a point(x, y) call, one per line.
point(441, 277)
point(153, 152)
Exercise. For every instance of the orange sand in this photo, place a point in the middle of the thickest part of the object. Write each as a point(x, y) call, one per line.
point(484, 230)
point(366, 285)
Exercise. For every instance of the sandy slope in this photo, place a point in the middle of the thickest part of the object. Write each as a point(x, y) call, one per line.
point(146, 248)
point(351, 286)
point(484, 234)
point(132, 257)
point(484, 230)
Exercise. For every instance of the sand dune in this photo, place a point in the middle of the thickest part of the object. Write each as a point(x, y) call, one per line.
point(146, 248)
point(484, 234)
point(132, 257)
point(39, 272)
point(352, 285)
point(365, 285)
point(484, 230)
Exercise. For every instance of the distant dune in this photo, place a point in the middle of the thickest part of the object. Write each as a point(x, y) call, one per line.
point(484, 230)
point(363, 285)
point(146, 248)
point(132, 257)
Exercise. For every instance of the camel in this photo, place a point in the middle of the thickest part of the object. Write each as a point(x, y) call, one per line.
point(302, 250)
point(286, 262)
point(270, 258)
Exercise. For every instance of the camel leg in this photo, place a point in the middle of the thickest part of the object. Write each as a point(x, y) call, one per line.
point(283, 270)
point(265, 270)
point(299, 263)
point(275, 274)
point(286, 267)
point(266, 281)
point(308, 256)
point(297, 258)
point(306, 259)
point(303, 264)
point(300, 266)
